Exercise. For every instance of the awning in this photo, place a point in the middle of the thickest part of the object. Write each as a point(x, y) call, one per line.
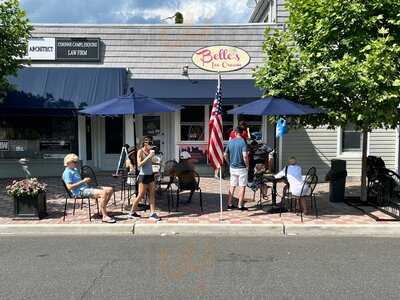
point(185, 92)
point(47, 90)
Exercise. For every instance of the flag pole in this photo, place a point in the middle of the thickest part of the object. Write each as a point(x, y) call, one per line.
point(220, 167)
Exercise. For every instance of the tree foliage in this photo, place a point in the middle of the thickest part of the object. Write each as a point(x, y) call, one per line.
point(14, 34)
point(342, 55)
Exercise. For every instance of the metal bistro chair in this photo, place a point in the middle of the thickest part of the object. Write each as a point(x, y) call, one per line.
point(166, 180)
point(69, 195)
point(310, 181)
point(87, 171)
point(188, 181)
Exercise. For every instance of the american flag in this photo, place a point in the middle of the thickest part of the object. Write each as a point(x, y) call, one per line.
point(215, 145)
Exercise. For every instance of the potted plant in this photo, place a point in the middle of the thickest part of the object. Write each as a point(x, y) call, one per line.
point(29, 197)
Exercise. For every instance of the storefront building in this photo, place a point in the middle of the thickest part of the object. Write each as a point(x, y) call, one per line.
point(73, 66)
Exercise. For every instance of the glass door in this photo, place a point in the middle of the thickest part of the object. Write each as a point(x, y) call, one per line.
point(152, 127)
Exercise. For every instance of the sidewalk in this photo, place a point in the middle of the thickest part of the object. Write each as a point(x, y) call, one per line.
point(338, 214)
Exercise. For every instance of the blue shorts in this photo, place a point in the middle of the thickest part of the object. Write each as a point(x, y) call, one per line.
point(89, 192)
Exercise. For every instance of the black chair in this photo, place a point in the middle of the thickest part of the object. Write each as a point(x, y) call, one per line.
point(166, 180)
point(87, 171)
point(69, 195)
point(188, 181)
point(307, 192)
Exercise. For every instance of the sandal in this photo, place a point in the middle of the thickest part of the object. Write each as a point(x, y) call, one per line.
point(109, 220)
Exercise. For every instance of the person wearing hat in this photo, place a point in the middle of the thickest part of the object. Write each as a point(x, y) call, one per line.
point(237, 157)
point(79, 187)
point(292, 174)
point(144, 160)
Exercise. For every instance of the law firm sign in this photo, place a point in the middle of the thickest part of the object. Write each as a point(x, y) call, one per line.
point(76, 49)
point(221, 58)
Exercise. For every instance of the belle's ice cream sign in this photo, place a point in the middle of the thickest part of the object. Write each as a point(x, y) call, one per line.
point(221, 58)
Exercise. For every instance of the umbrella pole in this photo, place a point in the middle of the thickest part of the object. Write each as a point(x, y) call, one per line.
point(135, 150)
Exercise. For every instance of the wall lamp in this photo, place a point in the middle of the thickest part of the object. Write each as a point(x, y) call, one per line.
point(185, 72)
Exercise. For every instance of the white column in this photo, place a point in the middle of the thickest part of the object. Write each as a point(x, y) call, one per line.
point(128, 119)
point(82, 138)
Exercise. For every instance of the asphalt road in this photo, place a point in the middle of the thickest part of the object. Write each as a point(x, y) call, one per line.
point(127, 267)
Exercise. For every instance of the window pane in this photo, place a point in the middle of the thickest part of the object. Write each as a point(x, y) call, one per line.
point(254, 123)
point(192, 132)
point(114, 135)
point(192, 123)
point(151, 125)
point(38, 137)
point(192, 114)
point(351, 139)
point(250, 119)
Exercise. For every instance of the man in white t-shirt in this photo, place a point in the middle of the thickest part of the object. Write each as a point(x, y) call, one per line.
point(295, 180)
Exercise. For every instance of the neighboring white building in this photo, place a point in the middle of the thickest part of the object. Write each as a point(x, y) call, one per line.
point(316, 147)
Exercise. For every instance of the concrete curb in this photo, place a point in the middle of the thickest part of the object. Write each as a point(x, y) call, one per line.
point(343, 230)
point(209, 229)
point(204, 229)
point(66, 229)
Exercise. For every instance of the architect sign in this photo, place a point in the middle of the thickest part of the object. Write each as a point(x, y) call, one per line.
point(221, 58)
point(41, 49)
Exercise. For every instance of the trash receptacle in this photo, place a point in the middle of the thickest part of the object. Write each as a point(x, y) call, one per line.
point(337, 180)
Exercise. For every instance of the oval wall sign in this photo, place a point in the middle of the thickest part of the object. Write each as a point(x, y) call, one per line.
point(221, 58)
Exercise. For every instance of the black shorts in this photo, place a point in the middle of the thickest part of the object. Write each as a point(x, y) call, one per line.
point(146, 179)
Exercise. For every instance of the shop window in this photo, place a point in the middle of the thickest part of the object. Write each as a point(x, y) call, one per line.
point(227, 120)
point(38, 137)
point(114, 129)
point(254, 123)
point(351, 139)
point(192, 123)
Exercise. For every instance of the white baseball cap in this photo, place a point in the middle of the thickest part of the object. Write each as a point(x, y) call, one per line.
point(185, 155)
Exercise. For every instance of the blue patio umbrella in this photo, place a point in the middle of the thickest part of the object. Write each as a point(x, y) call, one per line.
point(275, 106)
point(130, 105)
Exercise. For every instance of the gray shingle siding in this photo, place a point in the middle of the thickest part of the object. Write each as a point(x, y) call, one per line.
point(161, 51)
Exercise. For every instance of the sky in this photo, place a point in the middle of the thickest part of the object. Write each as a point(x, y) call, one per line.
point(138, 11)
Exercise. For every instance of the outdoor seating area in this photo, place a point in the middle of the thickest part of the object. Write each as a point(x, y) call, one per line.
point(190, 213)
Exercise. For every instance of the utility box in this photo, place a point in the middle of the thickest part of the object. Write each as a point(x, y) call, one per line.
point(337, 180)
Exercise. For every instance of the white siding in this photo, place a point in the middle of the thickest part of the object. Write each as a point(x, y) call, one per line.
point(311, 147)
point(383, 144)
point(281, 12)
point(316, 147)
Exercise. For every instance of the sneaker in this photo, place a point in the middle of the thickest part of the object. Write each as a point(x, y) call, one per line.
point(230, 207)
point(243, 208)
point(133, 215)
point(154, 217)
